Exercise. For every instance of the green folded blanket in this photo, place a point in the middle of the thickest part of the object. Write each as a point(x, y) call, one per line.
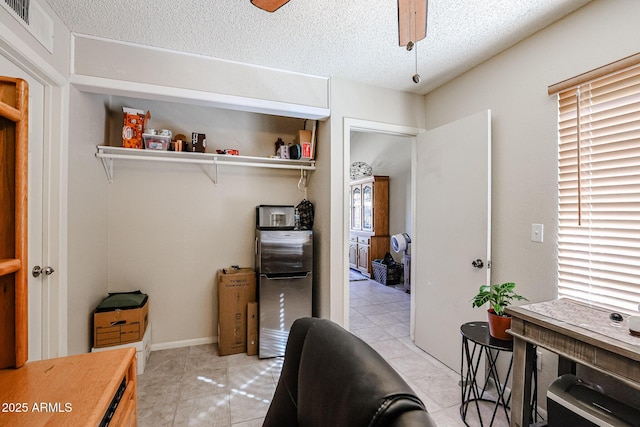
point(122, 301)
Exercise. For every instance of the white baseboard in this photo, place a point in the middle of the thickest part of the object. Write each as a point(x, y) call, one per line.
point(183, 343)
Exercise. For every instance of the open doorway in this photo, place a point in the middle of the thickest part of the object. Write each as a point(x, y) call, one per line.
point(389, 156)
point(379, 304)
point(388, 149)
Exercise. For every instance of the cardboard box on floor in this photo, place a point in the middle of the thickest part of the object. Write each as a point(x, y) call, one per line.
point(236, 289)
point(120, 326)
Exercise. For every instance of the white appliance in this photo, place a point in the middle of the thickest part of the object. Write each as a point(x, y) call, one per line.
point(400, 243)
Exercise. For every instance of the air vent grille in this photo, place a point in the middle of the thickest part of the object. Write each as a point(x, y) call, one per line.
point(33, 18)
point(20, 7)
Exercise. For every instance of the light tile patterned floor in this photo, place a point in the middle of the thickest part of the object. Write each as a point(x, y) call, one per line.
point(380, 315)
point(193, 386)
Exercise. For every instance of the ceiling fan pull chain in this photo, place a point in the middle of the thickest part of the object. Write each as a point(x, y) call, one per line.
point(416, 76)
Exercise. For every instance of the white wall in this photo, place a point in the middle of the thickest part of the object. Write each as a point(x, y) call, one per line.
point(165, 74)
point(88, 280)
point(514, 86)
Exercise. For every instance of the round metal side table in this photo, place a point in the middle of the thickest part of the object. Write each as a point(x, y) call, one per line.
point(477, 342)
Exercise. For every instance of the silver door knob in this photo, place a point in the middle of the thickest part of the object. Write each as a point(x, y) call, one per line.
point(37, 271)
point(477, 263)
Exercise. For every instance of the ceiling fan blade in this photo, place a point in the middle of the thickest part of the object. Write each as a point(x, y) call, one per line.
point(412, 21)
point(269, 5)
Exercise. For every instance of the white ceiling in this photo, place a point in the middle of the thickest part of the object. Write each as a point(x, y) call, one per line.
point(351, 39)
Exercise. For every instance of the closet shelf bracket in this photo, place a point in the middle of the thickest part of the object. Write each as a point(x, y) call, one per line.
point(107, 163)
point(211, 169)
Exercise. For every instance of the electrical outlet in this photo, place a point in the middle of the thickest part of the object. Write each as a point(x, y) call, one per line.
point(539, 360)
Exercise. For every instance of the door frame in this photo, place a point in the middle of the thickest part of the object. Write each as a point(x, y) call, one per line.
point(54, 203)
point(368, 126)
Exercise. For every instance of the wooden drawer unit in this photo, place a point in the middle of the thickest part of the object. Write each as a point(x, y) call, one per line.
point(364, 248)
point(93, 389)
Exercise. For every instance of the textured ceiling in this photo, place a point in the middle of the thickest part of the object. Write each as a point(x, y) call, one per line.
point(351, 39)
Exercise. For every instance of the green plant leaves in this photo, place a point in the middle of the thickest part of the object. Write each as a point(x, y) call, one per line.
point(499, 296)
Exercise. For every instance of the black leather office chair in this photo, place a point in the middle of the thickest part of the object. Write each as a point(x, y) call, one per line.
point(330, 377)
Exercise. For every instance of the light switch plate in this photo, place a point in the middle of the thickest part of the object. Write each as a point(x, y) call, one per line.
point(537, 233)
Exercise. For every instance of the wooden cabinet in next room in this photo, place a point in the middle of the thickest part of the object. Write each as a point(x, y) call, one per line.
point(369, 222)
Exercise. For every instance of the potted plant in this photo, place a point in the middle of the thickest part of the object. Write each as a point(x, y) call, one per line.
point(499, 296)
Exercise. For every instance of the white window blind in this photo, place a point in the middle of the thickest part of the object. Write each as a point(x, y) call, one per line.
point(599, 191)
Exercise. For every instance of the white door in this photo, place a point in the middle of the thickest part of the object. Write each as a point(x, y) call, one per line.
point(37, 299)
point(453, 229)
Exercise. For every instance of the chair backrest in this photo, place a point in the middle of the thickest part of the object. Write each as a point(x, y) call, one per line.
point(330, 377)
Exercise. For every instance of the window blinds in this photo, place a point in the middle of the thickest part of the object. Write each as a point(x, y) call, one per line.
point(599, 191)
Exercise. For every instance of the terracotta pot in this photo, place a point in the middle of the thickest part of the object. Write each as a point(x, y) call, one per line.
point(498, 326)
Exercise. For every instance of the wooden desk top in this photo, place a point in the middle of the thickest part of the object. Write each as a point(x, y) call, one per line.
point(586, 323)
point(66, 391)
point(580, 333)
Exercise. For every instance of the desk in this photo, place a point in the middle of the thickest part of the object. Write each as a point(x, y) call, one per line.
point(578, 333)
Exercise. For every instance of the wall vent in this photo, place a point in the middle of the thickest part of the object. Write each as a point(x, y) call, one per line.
point(21, 8)
point(34, 18)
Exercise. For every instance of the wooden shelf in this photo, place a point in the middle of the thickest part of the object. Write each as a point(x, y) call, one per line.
point(108, 154)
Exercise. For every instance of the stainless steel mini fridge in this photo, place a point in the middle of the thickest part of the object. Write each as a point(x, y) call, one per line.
point(284, 264)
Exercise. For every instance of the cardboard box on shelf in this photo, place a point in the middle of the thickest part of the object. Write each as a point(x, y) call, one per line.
point(119, 325)
point(198, 142)
point(143, 349)
point(236, 289)
point(134, 124)
point(252, 329)
point(304, 138)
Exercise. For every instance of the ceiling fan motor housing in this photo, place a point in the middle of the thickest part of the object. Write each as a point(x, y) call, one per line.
point(269, 5)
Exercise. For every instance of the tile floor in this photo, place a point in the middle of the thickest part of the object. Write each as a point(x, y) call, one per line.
point(193, 386)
